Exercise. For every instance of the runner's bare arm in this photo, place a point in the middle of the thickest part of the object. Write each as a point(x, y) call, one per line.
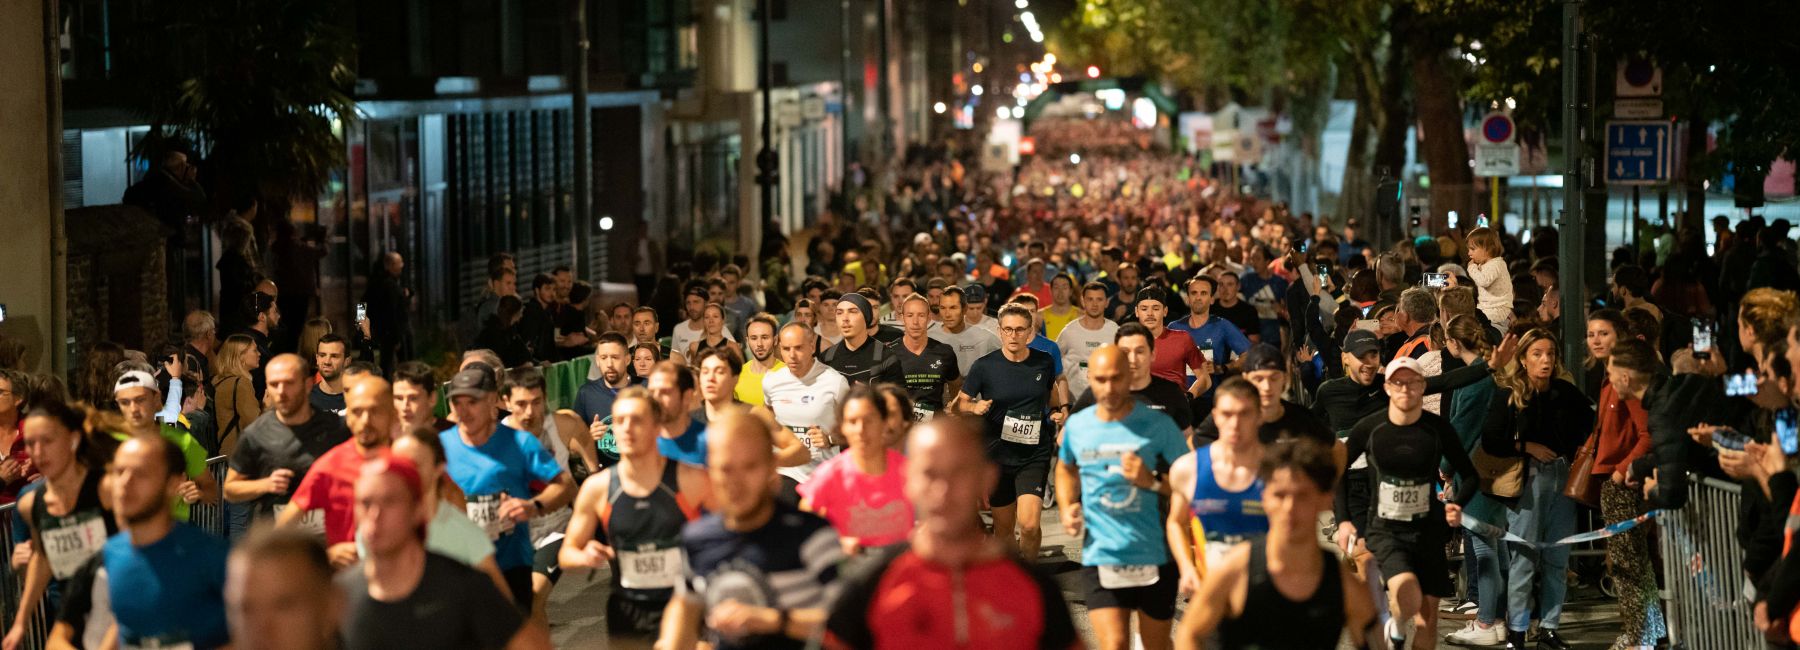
point(680, 624)
point(694, 486)
point(574, 434)
point(1176, 528)
point(1213, 604)
point(531, 636)
point(1359, 608)
point(584, 522)
point(557, 494)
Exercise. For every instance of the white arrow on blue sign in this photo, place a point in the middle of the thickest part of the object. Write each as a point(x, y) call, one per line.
point(1637, 152)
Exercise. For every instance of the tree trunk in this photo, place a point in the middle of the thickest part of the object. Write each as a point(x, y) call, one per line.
point(1695, 215)
point(1357, 191)
point(1441, 142)
point(1392, 117)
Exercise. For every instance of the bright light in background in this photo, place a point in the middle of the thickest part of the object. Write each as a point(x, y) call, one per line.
point(1093, 72)
point(939, 108)
point(975, 90)
point(1003, 112)
point(977, 67)
point(1113, 97)
point(1511, 104)
point(1037, 37)
point(606, 223)
point(1055, 77)
point(1049, 59)
point(1022, 4)
point(1022, 101)
point(1143, 112)
point(1018, 112)
point(1074, 159)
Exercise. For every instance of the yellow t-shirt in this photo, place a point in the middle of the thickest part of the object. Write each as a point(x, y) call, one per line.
point(749, 387)
point(1054, 323)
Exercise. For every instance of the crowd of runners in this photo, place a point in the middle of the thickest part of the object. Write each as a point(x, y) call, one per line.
point(1259, 429)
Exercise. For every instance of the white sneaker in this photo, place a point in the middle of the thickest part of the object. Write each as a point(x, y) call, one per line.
point(1474, 634)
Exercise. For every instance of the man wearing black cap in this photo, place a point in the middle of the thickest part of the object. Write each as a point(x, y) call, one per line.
point(1267, 370)
point(859, 357)
point(1341, 401)
point(495, 465)
point(975, 309)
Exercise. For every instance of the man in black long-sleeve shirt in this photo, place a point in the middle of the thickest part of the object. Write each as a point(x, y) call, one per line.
point(1409, 526)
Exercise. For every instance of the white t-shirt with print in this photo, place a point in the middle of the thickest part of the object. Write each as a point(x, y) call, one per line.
point(800, 403)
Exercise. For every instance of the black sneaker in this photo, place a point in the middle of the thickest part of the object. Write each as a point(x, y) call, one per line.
point(1549, 639)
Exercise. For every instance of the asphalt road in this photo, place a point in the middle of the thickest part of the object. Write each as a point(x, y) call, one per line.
point(578, 606)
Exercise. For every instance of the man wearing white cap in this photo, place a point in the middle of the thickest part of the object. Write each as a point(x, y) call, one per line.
point(139, 396)
point(1409, 526)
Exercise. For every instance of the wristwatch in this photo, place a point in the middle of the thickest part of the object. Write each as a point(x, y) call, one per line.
point(539, 506)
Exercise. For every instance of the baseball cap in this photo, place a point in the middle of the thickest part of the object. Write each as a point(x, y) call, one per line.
point(136, 379)
point(1361, 342)
point(475, 381)
point(1263, 356)
point(1035, 261)
point(975, 292)
point(1404, 363)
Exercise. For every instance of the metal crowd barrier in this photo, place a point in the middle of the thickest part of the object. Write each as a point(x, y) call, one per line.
point(210, 517)
point(1704, 573)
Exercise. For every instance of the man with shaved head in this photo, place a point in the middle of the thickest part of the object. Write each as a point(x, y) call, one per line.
point(947, 474)
point(1110, 485)
point(279, 447)
point(327, 496)
point(759, 572)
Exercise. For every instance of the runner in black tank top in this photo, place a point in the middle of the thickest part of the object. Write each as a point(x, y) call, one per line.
point(1268, 617)
point(638, 537)
point(61, 544)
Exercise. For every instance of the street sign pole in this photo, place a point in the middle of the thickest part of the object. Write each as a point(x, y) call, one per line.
point(1572, 243)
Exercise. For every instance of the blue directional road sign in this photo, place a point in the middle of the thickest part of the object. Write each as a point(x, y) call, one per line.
point(1637, 152)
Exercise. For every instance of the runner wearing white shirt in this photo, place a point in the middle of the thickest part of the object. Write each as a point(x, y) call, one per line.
point(524, 392)
point(1088, 333)
point(969, 342)
point(803, 397)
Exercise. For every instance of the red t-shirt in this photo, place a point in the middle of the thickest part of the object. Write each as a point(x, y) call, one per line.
point(912, 603)
point(1174, 352)
point(330, 485)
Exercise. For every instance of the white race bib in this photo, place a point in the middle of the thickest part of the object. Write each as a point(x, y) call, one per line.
point(1021, 430)
point(311, 521)
point(1126, 576)
point(650, 569)
point(73, 543)
point(805, 436)
point(485, 512)
point(1403, 501)
point(922, 413)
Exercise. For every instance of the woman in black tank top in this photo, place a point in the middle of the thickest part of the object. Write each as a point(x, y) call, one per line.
point(63, 541)
point(1272, 620)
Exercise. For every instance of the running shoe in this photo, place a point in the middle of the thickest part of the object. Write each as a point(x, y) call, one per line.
point(1474, 634)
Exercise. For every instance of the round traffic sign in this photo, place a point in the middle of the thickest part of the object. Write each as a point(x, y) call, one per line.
point(1497, 128)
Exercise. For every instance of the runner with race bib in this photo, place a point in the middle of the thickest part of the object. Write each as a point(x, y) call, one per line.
point(803, 397)
point(1013, 390)
point(629, 518)
point(68, 523)
point(1108, 488)
point(929, 365)
point(1216, 498)
point(495, 465)
point(1408, 525)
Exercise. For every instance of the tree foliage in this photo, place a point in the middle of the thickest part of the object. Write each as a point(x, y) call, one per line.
point(258, 83)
